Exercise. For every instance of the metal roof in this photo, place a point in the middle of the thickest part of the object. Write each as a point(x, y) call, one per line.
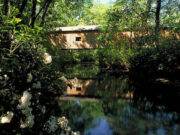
point(78, 28)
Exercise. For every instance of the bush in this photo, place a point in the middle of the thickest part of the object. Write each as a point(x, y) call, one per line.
point(165, 57)
point(115, 58)
point(28, 85)
point(62, 57)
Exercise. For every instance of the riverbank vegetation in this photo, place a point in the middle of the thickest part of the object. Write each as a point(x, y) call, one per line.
point(30, 66)
point(130, 29)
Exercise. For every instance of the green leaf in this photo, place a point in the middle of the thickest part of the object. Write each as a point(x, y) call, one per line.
point(18, 20)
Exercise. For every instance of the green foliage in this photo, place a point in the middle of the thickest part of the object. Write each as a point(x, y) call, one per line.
point(115, 57)
point(73, 56)
point(80, 71)
point(66, 13)
point(95, 15)
point(22, 64)
point(22, 68)
point(136, 18)
point(165, 57)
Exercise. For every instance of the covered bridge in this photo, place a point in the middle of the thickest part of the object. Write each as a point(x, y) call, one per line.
point(85, 37)
point(75, 37)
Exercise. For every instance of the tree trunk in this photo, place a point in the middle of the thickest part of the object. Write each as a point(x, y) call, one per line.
point(7, 7)
point(146, 14)
point(6, 36)
point(157, 20)
point(18, 4)
point(22, 7)
point(44, 13)
point(33, 13)
point(42, 8)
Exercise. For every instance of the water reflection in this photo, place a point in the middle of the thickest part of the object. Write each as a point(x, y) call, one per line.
point(81, 71)
point(152, 95)
point(91, 118)
point(128, 104)
point(116, 87)
point(100, 124)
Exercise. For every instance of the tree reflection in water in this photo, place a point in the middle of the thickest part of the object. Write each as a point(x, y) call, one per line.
point(151, 110)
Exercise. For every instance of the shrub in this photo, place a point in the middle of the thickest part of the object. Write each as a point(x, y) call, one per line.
point(26, 78)
point(115, 58)
point(164, 57)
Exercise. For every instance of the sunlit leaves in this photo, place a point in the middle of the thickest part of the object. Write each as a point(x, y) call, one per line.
point(15, 21)
point(96, 15)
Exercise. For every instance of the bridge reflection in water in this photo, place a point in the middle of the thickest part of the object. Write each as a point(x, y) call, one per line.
point(90, 90)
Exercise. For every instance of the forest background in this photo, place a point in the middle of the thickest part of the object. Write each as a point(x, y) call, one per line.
point(26, 65)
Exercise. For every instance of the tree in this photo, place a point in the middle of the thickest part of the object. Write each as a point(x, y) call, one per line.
point(48, 2)
point(22, 7)
point(146, 14)
point(23, 67)
point(66, 13)
point(28, 18)
point(95, 15)
point(33, 13)
point(7, 7)
point(157, 19)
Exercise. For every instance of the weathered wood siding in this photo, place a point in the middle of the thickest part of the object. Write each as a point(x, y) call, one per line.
point(68, 40)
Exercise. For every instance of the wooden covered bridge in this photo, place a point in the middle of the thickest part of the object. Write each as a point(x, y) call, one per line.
point(85, 37)
point(75, 37)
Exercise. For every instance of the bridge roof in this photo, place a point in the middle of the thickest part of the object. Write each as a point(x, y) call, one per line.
point(78, 28)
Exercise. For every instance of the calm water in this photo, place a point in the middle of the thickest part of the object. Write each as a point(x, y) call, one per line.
point(119, 117)
point(125, 105)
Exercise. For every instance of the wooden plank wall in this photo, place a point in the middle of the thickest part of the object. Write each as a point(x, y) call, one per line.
point(67, 40)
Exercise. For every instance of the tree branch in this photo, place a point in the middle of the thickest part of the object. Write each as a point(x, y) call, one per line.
point(21, 9)
point(157, 20)
point(23, 6)
point(7, 7)
point(33, 13)
point(42, 8)
point(45, 11)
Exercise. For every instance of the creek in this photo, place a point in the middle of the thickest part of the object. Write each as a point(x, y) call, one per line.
point(108, 103)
